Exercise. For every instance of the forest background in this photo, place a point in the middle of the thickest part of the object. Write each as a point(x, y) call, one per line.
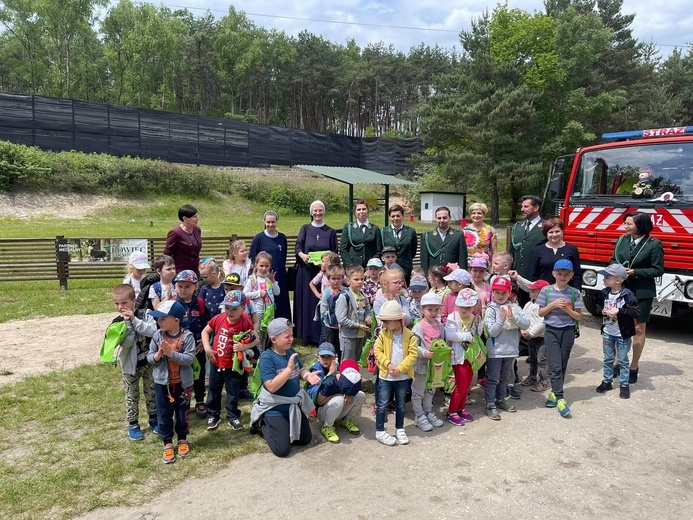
point(524, 89)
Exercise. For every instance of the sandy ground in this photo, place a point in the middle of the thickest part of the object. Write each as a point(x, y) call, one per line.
point(631, 459)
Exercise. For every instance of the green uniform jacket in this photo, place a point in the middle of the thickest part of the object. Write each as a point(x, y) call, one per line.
point(647, 262)
point(406, 246)
point(522, 245)
point(362, 247)
point(436, 252)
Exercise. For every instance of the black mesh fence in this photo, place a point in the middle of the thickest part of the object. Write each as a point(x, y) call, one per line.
point(66, 124)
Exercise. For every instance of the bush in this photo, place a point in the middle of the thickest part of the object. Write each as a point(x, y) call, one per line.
point(18, 164)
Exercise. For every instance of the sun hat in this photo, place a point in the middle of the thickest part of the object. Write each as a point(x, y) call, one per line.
point(350, 378)
point(278, 326)
point(138, 260)
point(467, 298)
point(186, 276)
point(460, 276)
point(418, 282)
point(478, 260)
point(615, 270)
point(538, 285)
point(563, 264)
point(501, 283)
point(391, 310)
point(234, 298)
point(169, 308)
point(430, 299)
point(233, 279)
point(326, 349)
point(375, 262)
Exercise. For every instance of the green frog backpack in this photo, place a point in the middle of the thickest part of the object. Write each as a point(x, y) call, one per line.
point(439, 366)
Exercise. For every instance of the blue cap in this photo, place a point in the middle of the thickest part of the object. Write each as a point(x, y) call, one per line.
point(326, 349)
point(563, 264)
point(169, 308)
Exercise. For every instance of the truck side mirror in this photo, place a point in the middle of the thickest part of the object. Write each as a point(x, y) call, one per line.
point(556, 180)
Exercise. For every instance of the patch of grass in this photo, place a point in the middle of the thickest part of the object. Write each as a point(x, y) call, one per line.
point(25, 300)
point(66, 451)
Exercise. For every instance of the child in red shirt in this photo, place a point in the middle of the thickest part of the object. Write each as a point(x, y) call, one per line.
point(225, 326)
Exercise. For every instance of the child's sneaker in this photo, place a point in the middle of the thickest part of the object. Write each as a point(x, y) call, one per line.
point(349, 426)
point(624, 392)
point(213, 421)
point(423, 424)
point(605, 387)
point(492, 413)
point(539, 387)
point(154, 424)
point(481, 382)
point(512, 393)
point(528, 381)
point(401, 436)
point(330, 434)
point(201, 410)
point(385, 438)
point(434, 420)
point(563, 408)
point(235, 423)
point(169, 456)
point(135, 433)
point(455, 419)
point(183, 448)
point(446, 400)
point(551, 401)
point(505, 406)
point(466, 416)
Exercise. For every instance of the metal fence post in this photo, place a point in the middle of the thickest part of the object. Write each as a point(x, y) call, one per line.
point(61, 266)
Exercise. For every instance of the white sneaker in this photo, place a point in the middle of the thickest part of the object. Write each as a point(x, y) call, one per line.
point(437, 423)
point(423, 424)
point(385, 438)
point(401, 436)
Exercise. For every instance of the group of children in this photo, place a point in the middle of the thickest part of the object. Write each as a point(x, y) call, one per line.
point(414, 334)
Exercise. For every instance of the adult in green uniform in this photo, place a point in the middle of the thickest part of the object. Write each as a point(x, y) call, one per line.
point(643, 257)
point(402, 238)
point(525, 237)
point(443, 245)
point(360, 240)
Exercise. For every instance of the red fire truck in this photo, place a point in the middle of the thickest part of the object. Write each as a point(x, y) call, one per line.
point(644, 170)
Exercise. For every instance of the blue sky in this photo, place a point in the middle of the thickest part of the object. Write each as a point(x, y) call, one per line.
point(666, 23)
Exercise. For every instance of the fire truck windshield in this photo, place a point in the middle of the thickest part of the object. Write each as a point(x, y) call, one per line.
point(652, 172)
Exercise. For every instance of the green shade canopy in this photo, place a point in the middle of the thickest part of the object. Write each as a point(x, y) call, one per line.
point(353, 176)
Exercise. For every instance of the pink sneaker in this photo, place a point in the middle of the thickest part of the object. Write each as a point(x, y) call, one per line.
point(466, 416)
point(455, 419)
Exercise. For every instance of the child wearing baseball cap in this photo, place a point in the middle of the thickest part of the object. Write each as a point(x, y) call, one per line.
point(172, 351)
point(502, 344)
point(339, 400)
point(620, 308)
point(137, 268)
point(561, 307)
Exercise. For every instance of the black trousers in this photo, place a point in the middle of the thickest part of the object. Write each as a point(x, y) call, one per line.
point(275, 430)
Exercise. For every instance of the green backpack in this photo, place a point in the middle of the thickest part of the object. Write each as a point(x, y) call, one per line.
point(115, 334)
point(439, 366)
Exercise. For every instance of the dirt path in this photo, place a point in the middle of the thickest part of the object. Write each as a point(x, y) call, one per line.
point(633, 459)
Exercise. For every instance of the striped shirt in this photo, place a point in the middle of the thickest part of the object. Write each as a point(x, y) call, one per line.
point(557, 317)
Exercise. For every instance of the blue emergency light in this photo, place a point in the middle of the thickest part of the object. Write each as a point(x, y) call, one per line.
point(655, 132)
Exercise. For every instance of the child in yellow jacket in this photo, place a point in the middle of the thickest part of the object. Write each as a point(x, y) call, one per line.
point(396, 350)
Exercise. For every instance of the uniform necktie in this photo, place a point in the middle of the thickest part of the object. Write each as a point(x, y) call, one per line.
point(363, 228)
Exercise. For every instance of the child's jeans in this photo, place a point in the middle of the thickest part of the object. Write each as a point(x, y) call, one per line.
point(622, 346)
point(538, 367)
point(558, 342)
point(497, 372)
point(218, 379)
point(384, 387)
point(132, 393)
point(167, 410)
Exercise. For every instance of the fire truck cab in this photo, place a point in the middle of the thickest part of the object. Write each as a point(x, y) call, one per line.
point(644, 170)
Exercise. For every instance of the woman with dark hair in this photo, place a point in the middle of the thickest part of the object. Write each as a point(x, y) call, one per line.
point(555, 249)
point(402, 238)
point(643, 257)
point(360, 240)
point(184, 242)
point(274, 243)
point(314, 236)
